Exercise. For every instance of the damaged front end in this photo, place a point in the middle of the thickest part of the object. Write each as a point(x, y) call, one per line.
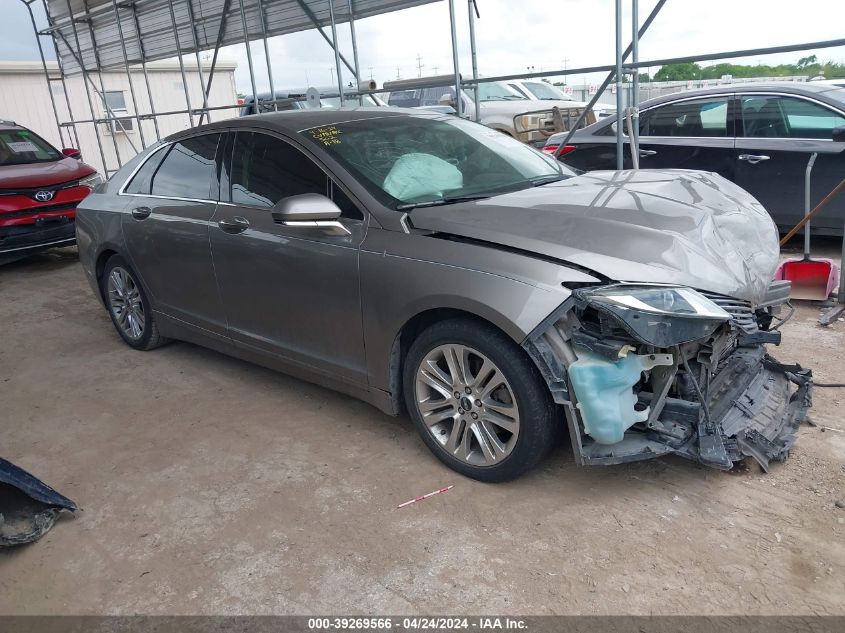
point(645, 370)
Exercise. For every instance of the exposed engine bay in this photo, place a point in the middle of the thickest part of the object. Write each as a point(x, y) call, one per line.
point(648, 370)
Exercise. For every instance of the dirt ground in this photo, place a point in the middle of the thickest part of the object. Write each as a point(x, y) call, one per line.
point(210, 486)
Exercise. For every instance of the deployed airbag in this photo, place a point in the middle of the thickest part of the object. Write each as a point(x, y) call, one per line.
point(418, 175)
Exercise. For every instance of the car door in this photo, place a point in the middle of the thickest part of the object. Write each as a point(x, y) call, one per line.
point(290, 292)
point(694, 133)
point(691, 133)
point(779, 133)
point(166, 230)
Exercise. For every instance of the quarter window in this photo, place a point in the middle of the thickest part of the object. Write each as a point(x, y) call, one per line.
point(772, 116)
point(188, 170)
point(142, 179)
point(700, 117)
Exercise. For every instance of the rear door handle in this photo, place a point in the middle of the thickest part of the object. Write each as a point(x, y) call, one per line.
point(647, 152)
point(753, 159)
point(236, 225)
point(141, 213)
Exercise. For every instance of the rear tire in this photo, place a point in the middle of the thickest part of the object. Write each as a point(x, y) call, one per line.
point(128, 307)
point(478, 401)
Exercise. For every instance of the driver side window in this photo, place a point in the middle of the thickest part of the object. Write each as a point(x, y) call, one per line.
point(266, 169)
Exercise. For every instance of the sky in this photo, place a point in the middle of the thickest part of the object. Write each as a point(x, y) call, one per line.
point(514, 36)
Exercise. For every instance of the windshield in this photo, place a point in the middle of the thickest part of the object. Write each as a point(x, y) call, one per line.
point(421, 160)
point(546, 92)
point(498, 92)
point(21, 147)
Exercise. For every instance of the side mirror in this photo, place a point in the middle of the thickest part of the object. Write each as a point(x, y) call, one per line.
point(310, 212)
point(447, 100)
point(838, 134)
point(72, 152)
point(309, 207)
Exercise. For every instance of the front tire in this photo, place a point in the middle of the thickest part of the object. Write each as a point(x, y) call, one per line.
point(128, 306)
point(478, 401)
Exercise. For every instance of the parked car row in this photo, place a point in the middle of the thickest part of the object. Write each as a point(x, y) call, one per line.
point(760, 136)
point(426, 263)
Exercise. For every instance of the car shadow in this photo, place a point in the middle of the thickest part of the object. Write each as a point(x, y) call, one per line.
point(43, 262)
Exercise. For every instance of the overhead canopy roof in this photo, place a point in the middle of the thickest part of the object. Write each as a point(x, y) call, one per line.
point(157, 38)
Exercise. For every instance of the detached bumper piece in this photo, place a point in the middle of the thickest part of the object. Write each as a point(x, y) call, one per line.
point(28, 506)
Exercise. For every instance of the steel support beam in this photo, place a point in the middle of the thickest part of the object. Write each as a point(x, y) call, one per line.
point(181, 62)
point(263, 15)
point(128, 74)
point(48, 80)
point(620, 116)
point(85, 80)
point(459, 104)
point(355, 50)
point(640, 32)
point(192, 18)
point(249, 58)
point(473, 12)
point(635, 80)
point(220, 31)
point(308, 12)
point(131, 6)
point(336, 54)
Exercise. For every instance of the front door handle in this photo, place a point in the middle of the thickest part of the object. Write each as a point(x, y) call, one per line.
point(753, 159)
point(647, 152)
point(141, 213)
point(236, 225)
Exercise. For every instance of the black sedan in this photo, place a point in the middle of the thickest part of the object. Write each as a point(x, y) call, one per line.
point(760, 136)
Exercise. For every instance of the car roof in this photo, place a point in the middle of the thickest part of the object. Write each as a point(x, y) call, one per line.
point(10, 125)
point(293, 121)
point(791, 87)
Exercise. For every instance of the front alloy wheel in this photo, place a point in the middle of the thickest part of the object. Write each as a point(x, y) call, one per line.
point(467, 404)
point(478, 401)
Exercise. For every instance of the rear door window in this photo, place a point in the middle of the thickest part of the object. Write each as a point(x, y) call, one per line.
point(188, 170)
point(695, 117)
point(774, 116)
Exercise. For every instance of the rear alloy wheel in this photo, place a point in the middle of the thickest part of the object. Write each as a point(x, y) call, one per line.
point(128, 306)
point(478, 401)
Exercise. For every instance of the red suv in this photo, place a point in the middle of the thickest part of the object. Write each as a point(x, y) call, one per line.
point(39, 190)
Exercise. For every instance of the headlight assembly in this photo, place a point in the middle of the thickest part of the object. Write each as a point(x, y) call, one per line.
point(91, 181)
point(662, 316)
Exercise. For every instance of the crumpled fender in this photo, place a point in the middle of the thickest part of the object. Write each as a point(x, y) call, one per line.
point(28, 506)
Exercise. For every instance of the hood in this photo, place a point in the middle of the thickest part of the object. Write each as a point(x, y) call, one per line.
point(44, 174)
point(690, 228)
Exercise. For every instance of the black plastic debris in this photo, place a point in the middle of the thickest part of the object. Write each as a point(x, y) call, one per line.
point(28, 506)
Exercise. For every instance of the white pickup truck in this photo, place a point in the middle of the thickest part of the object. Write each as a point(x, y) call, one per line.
point(501, 108)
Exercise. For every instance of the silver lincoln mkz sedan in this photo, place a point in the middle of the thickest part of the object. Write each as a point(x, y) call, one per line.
point(427, 264)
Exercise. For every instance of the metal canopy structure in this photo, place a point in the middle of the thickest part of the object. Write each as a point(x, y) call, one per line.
point(93, 36)
point(200, 25)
